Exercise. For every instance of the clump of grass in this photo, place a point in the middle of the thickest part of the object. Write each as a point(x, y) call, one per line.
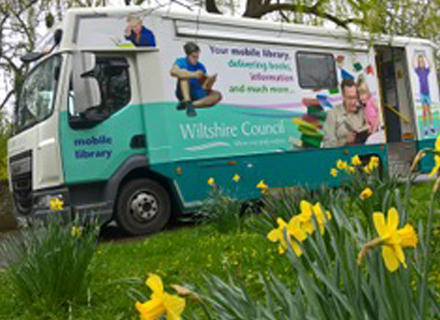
point(50, 265)
point(222, 211)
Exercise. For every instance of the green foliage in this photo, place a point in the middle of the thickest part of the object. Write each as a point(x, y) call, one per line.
point(222, 211)
point(181, 257)
point(387, 189)
point(5, 132)
point(285, 203)
point(50, 266)
point(332, 284)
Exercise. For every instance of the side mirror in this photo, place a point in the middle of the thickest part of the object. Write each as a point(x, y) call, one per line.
point(85, 87)
point(31, 57)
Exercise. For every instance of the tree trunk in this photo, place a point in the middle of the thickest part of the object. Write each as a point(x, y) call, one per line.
point(211, 7)
point(254, 9)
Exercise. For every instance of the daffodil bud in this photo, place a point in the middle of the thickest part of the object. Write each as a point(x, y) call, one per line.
point(417, 160)
point(436, 185)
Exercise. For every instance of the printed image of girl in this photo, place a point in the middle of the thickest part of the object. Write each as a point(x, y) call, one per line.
point(369, 104)
point(421, 68)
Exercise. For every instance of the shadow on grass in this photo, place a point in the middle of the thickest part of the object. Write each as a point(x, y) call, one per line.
point(112, 233)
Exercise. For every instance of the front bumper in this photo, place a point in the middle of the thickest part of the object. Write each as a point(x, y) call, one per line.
point(51, 203)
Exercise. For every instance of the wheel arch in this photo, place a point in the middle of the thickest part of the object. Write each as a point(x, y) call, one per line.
point(137, 166)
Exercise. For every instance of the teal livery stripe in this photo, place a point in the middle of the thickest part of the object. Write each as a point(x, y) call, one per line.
point(287, 169)
point(261, 144)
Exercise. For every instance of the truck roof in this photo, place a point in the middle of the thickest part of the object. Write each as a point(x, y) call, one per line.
point(284, 31)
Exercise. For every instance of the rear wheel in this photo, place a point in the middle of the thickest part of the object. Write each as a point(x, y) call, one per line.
point(143, 207)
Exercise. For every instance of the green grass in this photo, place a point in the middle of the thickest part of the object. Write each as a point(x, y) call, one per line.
point(179, 257)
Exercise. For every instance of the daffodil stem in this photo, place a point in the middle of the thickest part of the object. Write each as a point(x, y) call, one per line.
point(367, 247)
point(425, 274)
point(407, 196)
point(205, 309)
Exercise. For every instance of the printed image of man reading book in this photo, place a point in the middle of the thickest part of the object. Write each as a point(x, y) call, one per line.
point(346, 123)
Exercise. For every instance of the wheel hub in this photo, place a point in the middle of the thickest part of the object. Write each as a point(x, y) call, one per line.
point(143, 206)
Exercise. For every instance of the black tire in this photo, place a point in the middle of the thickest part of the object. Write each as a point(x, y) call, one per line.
point(143, 207)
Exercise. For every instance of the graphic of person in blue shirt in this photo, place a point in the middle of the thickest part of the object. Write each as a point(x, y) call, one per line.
point(194, 85)
point(422, 71)
point(137, 33)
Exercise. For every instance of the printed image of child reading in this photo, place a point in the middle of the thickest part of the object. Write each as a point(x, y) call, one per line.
point(368, 102)
point(137, 33)
point(194, 85)
point(421, 68)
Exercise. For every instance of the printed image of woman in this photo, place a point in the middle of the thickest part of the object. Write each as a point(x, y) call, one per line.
point(369, 105)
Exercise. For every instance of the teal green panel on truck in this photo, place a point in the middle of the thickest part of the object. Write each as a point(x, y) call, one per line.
point(257, 144)
point(427, 162)
point(284, 169)
point(95, 154)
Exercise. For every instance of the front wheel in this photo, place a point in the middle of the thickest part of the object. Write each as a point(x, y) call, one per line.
point(143, 207)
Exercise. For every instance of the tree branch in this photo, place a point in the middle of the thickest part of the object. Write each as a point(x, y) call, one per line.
point(284, 16)
point(10, 63)
point(25, 28)
point(314, 10)
point(6, 99)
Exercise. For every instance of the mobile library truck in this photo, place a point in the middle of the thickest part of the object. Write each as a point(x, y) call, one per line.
point(124, 120)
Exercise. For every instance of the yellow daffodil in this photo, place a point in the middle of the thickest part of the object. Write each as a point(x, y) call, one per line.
point(291, 232)
point(161, 303)
point(436, 159)
point(262, 186)
point(367, 193)
point(211, 181)
point(341, 165)
point(236, 178)
point(408, 236)
point(305, 217)
point(321, 217)
point(76, 232)
point(367, 169)
point(334, 172)
point(374, 163)
point(356, 161)
point(277, 235)
point(393, 239)
point(294, 229)
point(56, 204)
point(350, 169)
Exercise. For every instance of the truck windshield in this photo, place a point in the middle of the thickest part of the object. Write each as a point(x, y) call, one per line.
point(38, 93)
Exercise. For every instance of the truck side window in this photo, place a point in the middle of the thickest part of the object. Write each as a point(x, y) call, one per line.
point(114, 82)
point(316, 70)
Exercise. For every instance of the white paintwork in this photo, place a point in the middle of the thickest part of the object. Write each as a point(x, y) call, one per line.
point(245, 25)
point(43, 138)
